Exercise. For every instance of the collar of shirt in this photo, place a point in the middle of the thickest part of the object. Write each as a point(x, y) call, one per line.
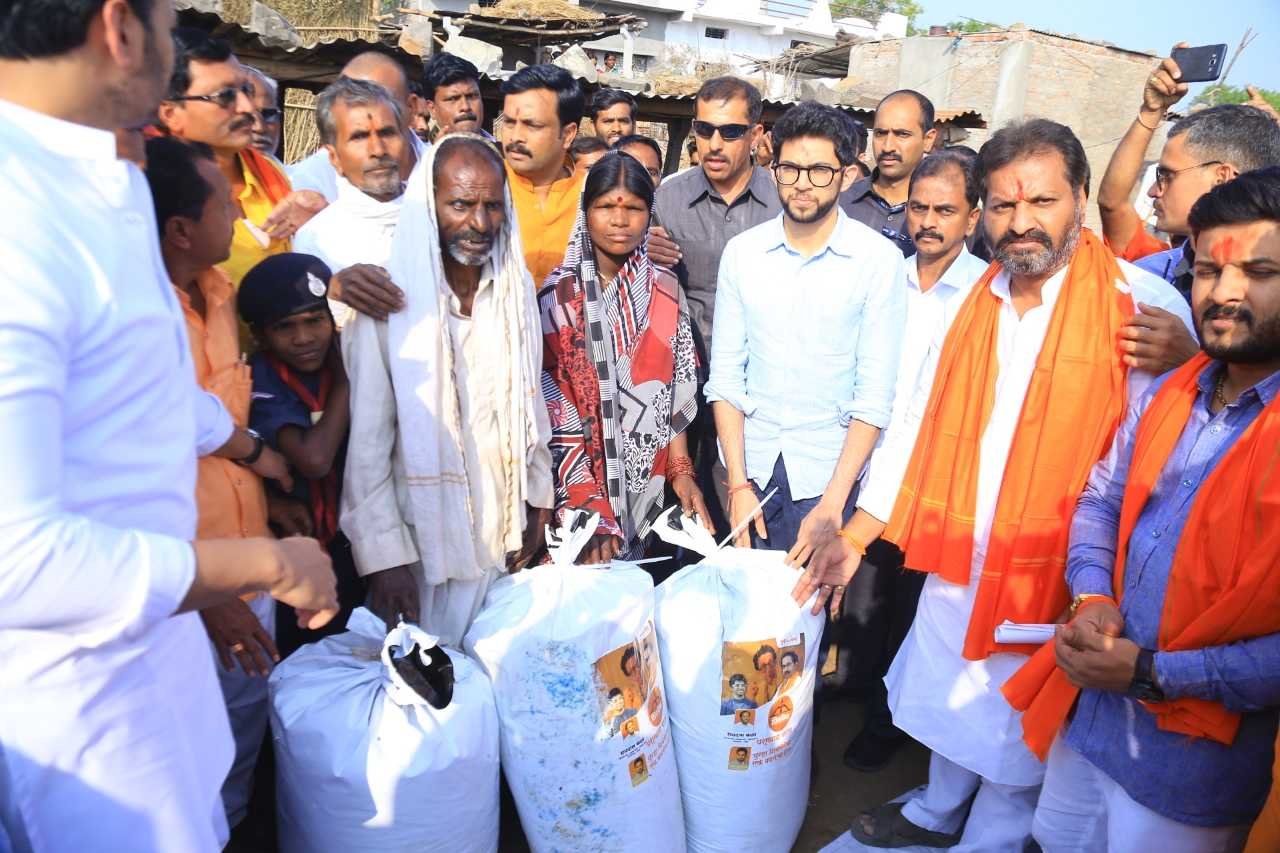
point(1048, 292)
point(214, 285)
point(839, 242)
point(865, 187)
point(455, 304)
point(757, 189)
point(64, 138)
point(559, 185)
point(957, 276)
point(1265, 391)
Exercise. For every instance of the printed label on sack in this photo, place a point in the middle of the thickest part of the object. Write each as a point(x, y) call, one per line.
point(633, 710)
point(757, 678)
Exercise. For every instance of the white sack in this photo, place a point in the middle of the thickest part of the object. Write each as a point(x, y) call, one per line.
point(742, 744)
point(586, 747)
point(364, 763)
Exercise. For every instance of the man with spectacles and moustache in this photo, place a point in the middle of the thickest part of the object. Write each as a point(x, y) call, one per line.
point(270, 117)
point(701, 209)
point(810, 311)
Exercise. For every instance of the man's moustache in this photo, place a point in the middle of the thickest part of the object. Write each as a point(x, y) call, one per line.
point(381, 163)
point(465, 117)
point(920, 235)
point(1037, 235)
point(1228, 312)
point(517, 148)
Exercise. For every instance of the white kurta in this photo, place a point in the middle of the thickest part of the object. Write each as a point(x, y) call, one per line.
point(952, 705)
point(354, 229)
point(113, 733)
point(375, 497)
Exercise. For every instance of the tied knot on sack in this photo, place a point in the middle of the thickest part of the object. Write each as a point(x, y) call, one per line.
point(419, 663)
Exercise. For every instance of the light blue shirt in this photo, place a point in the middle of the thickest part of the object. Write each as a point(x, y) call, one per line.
point(804, 346)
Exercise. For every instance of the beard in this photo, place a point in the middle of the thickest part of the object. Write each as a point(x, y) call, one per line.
point(1261, 345)
point(1048, 260)
point(135, 101)
point(463, 256)
point(385, 182)
point(814, 215)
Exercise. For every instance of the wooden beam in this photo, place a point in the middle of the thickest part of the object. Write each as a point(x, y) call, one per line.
point(677, 132)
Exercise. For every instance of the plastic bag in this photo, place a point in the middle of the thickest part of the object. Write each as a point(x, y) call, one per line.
point(384, 742)
point(586, 746)
point(739, 659)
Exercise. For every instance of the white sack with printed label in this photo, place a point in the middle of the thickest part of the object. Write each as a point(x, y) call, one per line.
point(586, 747)
point(379, 748)
point(739, 660)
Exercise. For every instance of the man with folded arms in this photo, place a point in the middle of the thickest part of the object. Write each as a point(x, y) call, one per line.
point(113, 735)
point(1015, 404)
point(1175, 556)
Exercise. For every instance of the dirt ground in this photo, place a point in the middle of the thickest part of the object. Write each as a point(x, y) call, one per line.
point(838, 793)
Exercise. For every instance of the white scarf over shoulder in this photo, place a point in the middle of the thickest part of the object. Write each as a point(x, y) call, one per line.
point(428, 410)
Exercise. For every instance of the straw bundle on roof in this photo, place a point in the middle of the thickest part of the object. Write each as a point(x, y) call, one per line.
point(535, 9)
point(301, 136)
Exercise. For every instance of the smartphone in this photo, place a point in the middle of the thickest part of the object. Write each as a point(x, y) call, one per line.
point(1199, 64)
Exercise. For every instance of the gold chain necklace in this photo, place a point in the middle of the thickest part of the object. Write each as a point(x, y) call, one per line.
point(1218, 396)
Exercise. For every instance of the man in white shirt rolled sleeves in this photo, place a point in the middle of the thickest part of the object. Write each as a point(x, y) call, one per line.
point(880, 602)
point(809, 315)
point(113, 733)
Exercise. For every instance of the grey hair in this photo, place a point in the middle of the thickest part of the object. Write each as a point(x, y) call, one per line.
point(272, 84)
point(1238, 134)
point(351, 93)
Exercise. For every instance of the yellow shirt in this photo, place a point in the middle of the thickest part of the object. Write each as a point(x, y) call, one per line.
point(246, 251)
point(545, 224)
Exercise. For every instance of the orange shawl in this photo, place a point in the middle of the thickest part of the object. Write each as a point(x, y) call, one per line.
point(267, 174)
point(1224, 585)
point(1073, 406)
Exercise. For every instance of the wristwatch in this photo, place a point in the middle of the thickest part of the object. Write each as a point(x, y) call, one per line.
point(1143, 686)
point(258, 444)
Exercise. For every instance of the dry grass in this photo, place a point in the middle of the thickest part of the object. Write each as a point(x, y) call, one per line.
point(300, 134)
point(535, 9)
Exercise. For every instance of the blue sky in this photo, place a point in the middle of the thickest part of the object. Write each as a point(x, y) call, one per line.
point(1141, 25)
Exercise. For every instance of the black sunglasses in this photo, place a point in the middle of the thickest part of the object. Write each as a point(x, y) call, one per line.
point(224, 98)
point(728, 132)
point(270, 114)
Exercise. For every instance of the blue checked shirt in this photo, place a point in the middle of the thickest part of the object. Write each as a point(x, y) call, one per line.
point(1193, 781)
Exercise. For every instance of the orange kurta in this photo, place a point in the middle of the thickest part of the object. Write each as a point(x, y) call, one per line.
point(545, 224)
point(229, 497)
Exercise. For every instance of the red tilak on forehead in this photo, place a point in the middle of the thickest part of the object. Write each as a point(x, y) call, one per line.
point(1022, 196)
point(1223, 251)
point(618, 199)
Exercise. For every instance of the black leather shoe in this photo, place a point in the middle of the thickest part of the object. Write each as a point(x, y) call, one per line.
point(869, 752)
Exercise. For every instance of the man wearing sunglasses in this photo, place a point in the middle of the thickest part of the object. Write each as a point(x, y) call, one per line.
point(701, 209)
point(270, 118)
point(210, 100)
point(810, 311)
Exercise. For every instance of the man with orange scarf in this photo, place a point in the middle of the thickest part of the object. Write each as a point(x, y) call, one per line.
point(1175, 552)
point(210, 100)
point(1014, 406)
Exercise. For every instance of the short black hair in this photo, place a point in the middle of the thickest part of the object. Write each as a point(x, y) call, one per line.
point(940, 161)
point(728, 87)
point(1250, 197)
point(639, 139)
point(193, 45)
point(763, 650)
point(613, 170)
point(445, 69)
point(607, 97)
point(925, 105)
point(737, 676)
point(35, 29)
point(583, 144)
point(790, 654)
point(628, 654)
point(963, 149)
point(617, 691)
point(569, 98)
point(177, 188)
point(810, 119)
point(1022, 139)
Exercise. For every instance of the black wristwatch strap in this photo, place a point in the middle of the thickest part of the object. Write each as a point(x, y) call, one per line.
point(1144, 686)
point(258, 444)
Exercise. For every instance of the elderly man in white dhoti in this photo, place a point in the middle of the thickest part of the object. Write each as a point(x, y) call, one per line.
point(448, 480)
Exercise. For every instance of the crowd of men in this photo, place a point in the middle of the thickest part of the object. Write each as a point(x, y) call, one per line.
point(239, 399)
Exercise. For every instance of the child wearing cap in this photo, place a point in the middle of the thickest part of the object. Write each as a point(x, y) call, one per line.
point(300, 406)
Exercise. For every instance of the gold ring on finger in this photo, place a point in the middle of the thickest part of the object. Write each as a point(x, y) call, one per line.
point(237, 648)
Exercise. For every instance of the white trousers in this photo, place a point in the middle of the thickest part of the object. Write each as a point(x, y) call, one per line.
point(1083, 810)
point(247, 710)
point(999, 821)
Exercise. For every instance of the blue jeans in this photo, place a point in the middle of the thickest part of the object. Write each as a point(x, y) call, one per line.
point(783, 514)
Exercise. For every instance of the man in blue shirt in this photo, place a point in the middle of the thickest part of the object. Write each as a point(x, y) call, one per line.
point(1120, 777)
point(810, 310)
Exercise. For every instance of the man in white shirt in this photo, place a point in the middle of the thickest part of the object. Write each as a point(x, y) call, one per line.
point(809, 315)
point(113, 735)
point(963, 491)
point(364, 134)
point(448, 477)
point(880, 602)
point(317, 171)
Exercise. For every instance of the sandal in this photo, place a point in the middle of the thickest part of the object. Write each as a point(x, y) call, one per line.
point(890, 829)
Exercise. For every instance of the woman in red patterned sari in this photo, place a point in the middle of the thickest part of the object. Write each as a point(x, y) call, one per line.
point(619, 369)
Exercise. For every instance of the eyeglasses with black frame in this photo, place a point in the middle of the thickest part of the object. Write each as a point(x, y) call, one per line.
point(224, 98)
point(820, 174)
point(1164, 176)
point(728, 132)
